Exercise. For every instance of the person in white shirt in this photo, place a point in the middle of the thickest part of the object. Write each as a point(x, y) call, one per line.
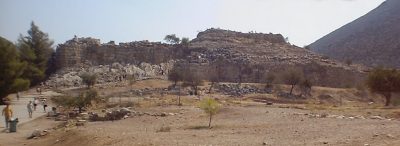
point(29, 106)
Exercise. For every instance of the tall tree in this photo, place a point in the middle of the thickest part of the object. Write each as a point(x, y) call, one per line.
point(172, 39)
point(292, 77)
point(35, 49)
point(384, 82)
point(11, 69)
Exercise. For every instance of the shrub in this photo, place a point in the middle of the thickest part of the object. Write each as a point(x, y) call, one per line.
point(164, 129)
point(269, 79)
point(305, 87)
point(210, 107)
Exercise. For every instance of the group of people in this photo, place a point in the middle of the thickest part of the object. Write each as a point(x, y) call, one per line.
point(7, 111)
point(31, 106)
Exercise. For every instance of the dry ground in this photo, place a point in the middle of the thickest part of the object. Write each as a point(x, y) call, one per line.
point(241, 121)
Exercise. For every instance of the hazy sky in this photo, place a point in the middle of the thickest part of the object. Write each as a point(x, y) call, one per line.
point(303, 21)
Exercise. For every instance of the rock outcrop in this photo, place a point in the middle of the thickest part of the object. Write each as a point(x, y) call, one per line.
point(372, 39)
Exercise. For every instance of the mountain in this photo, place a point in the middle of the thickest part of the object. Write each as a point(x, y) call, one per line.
point(372, 40)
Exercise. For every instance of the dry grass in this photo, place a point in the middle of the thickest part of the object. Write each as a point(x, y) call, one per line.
point(164, 129)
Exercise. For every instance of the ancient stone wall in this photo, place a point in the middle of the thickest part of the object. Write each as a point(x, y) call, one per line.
point(79, 51)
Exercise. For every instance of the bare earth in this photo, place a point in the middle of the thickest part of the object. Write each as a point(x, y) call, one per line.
point(239, 123)
point(234, 125)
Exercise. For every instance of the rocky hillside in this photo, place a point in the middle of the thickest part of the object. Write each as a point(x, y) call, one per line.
point(373, 39)
point(238, 56)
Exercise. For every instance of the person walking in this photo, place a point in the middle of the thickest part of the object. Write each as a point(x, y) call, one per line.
point(17, 95)
point(44, 102)
point(30, 108)
point(7, 113)
point(35, 103)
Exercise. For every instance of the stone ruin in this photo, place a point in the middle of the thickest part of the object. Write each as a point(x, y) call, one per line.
point(233, 52)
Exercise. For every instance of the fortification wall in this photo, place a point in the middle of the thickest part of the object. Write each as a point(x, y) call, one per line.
point(79, 51)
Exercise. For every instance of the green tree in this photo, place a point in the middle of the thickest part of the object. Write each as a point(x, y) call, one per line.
point(192, 79)
point(88, 79)
point(175, 75)
point(185, 41)
point(172, 39)
point(84, 100)
point(35, 49)
point(292, 77)
point(384, 82)
point(210, 107)
point(11, 69)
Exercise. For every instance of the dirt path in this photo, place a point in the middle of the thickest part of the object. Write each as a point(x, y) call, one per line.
point(20, 110)
point(25, 125)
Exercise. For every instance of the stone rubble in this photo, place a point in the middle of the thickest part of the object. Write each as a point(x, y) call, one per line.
point(236, 90)
point(324, 115)
point(70, 77)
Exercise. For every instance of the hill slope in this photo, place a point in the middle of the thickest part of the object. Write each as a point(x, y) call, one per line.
point(234, 55)
point(373, 39)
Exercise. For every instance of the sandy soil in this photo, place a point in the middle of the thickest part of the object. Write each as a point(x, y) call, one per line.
point(234, 125)
point(240, 122)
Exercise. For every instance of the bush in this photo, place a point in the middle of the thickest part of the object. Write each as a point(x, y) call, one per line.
point(269, 79)
point(164, 129)
point(305, 87)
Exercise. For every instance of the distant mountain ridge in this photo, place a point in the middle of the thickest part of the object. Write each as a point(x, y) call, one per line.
point(372, 40)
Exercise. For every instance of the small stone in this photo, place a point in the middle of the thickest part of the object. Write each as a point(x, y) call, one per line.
point(325, 142)
point(390, 136)
point(35, 133)
point(377, 117)
point(265, 143)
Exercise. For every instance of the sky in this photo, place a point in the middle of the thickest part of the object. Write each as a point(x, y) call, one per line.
point(302, 21)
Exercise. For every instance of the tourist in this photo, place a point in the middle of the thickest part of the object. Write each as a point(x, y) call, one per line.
point(44, 103)
point(35, 103)
point(30, 108)
point(7, 113)
point(17, 95)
